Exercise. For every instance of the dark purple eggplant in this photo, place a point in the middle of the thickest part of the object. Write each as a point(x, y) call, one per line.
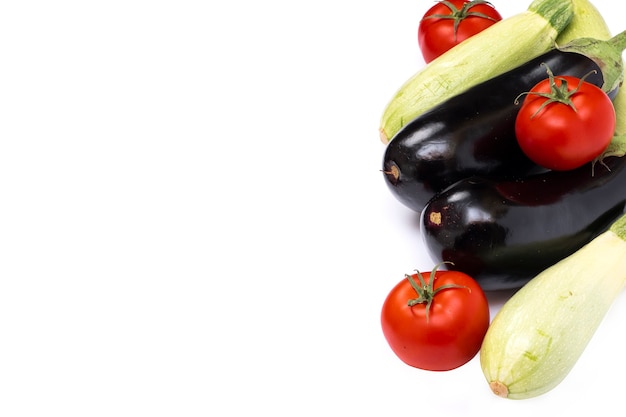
point(473, 133)
point(504, 232)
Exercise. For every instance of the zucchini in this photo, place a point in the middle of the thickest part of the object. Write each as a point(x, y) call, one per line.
point(540, 332)
point(473, 133)
point(587, 22)
point(499, 48)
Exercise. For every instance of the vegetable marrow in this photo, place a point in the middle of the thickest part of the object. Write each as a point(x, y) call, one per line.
point(473, 133)
point(499, 48)
point(541, 331)
point(587, 22)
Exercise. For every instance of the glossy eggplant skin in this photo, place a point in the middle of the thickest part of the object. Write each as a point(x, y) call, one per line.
point(503, 233)
point(472, 133)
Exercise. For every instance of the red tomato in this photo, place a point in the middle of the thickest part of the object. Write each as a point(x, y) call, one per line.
point(449, 23)
point(568, 126)
point(445, 326)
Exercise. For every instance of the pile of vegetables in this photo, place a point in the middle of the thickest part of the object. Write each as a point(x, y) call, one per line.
point(516, 168)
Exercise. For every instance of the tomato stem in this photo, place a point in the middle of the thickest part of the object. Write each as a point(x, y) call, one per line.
point(459, 14)
point(558, 93)
point(426, 292)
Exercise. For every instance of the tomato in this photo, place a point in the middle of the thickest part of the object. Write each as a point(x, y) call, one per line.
point(449, 23)
point(564, 122)
point(435, 325)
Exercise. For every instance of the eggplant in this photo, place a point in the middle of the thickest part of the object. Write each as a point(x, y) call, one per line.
point(504, 232)
point(473, 133)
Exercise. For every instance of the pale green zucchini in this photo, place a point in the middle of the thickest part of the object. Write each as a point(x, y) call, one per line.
point(587, 22)
point(539, 334)
point(499, 48)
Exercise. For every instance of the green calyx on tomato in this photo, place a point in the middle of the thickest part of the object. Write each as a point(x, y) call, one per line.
point(459, 14)
point(559, 93)
point(426, 292)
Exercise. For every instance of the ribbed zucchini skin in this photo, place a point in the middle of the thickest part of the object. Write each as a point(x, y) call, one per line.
point(503, 233)
point(472, 133)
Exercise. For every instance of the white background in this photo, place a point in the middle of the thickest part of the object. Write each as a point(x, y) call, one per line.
point(193, 221)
